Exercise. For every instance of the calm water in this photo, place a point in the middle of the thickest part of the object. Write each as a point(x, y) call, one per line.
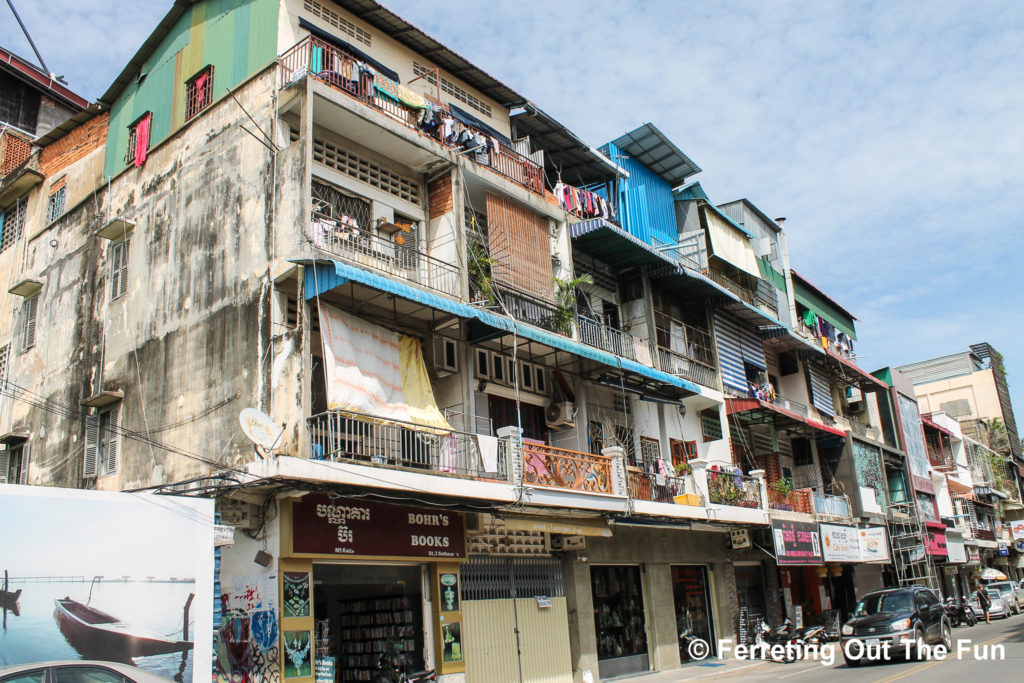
point(34, 636)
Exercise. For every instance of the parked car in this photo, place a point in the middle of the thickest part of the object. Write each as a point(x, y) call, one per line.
point(1012, 590)
point(896, 616)
point(998, 608)
point(78, 671)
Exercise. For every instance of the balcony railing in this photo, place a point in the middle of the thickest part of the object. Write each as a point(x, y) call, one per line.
point(728, 488)
point(325, 62)
point(402, 261)
point(606, 338)
point(761, 298)
point(833, 506)
point(557, 467)
point(660, 488)
point(676, 363)
point(341, 436)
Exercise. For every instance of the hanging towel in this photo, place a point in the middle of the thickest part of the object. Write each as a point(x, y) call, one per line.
point(488, 446)
point(142, 139)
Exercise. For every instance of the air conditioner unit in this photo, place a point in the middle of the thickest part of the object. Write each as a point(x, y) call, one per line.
point(856, 407)
point(561, 414)
point(739, 539)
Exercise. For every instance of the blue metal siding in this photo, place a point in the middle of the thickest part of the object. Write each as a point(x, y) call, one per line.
point(821, 396)
point(646, 206)
point(753, 351)
point(730, 352)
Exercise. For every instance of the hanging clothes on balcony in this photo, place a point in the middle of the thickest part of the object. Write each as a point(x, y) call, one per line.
point(583, 203)
point(398, 92)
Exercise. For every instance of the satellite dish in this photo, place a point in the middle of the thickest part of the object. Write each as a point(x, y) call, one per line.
point(260, 429)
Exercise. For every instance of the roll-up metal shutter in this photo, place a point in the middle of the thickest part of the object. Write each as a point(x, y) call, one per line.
point(821, 395)
point(730, 352)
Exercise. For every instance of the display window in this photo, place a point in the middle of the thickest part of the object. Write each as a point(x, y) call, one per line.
point(618, 612)
point(692, 596)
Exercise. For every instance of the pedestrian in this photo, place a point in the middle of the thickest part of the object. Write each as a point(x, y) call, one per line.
point(984, 602)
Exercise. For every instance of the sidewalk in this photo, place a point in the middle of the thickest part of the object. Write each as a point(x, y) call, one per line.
point(714, 668)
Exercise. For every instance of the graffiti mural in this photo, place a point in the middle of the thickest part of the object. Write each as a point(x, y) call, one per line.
point(248, 647)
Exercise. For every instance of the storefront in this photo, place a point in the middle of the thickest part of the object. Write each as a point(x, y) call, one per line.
point(955, 581)
point(619, 619)
point(801, 569)
point(691, 592)
point(353, 598)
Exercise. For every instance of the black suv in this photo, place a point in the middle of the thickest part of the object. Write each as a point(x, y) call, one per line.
point(892, 621)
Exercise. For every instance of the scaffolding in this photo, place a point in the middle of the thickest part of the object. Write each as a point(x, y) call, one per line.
point(910, 557)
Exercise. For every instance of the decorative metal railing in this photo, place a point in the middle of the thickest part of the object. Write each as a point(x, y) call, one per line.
point(321, 60)
point(557, 467)
point(389, 256)
point(342, 436)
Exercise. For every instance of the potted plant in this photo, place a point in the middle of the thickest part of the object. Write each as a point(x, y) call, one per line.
point(780, 491)
point(480, 274)
point(565, 303)
point(683, 468)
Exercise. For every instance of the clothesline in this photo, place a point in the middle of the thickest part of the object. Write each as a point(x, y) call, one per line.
point(583, 203)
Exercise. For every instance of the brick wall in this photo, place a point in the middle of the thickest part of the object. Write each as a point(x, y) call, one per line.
point(439, 196)
point(14, 149)
point(75, 145)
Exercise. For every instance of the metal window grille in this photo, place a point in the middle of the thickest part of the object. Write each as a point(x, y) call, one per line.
point(28, 331)
point(492, 578)
point(133, 136)
point(5, 352)
point(452, 89)
point(198, 92)
point(119, 268)
point(55, 204)
point(334, 203)
point(13, 224)
point(650, 450)
point(373, 174)
point(337, 21)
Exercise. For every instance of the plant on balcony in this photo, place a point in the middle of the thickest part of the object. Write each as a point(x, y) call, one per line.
point(779, 494)
point(724, 487)
point(565, 303)
point(683, 469)
point(480, 274)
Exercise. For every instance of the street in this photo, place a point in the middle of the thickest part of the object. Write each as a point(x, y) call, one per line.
point(993, 650)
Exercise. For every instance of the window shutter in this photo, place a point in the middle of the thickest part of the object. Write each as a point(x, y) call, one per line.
point(24, 463)
point(113, 440)
point(125, 248)
point(115, 270)
point(28, 337)
point(5, 461)
point(92, 437)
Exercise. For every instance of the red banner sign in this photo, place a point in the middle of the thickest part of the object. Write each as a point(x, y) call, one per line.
point(349, 527)
point(935, 539)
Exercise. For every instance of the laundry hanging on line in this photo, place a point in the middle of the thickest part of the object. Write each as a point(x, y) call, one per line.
point(583, 203)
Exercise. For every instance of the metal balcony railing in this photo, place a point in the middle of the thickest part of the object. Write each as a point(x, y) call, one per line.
point(729, 488)
point(763, 297)
point(387, 256)
point(327, 63)
point(606, 338)
point(659, 488)
point(557, 467)
point(833, 506)
point(342, 436)
point(676, 363)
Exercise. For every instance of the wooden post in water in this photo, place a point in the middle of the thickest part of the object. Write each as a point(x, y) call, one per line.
point(184, 636)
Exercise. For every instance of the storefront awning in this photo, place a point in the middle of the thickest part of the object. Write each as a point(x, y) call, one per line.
point(757, 411)
point(958, 489)
point(569, 527)
point(855, 375)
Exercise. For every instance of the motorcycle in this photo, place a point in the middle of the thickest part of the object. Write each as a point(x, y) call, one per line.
point(389, 669)
point(959, 613)
point(765, 638)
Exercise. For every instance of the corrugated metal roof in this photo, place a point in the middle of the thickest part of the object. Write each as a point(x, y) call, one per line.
point(650, 147)
point(566, 156)
point(822, 294)
point(615, 246)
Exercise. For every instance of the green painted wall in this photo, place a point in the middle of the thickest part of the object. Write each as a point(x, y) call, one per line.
point(824, 309)
point(238, 37)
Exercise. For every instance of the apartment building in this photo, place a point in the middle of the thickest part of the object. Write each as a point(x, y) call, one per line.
point(474, 394)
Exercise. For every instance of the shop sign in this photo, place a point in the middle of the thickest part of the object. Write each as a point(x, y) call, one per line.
point(1018, 545)
point(973, 555)
point(796, 542)
point(324, 669)
point(956, 549)
point(935, 539)
point(874, 547)
point(839, 543)
point(349, 527)
point(1017, 529)
point(1004, 549)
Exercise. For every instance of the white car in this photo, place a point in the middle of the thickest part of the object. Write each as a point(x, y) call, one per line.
point(79, 671)
point(1012, 591)
point(998, 608)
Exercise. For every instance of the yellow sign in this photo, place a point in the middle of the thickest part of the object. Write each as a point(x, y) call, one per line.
point(573, 527)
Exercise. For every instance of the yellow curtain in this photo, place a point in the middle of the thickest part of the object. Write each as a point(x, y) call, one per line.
point(419, 395)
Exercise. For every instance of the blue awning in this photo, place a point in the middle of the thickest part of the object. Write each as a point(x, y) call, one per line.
point(323, 276)
point(613, 245)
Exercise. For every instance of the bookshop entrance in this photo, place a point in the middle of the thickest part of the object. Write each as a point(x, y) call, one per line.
point(619, 620)
point(366, 613)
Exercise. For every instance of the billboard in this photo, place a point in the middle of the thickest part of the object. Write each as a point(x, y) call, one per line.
point(124, 577)
point(796, 542)
point(874, 547)
point(840, 543)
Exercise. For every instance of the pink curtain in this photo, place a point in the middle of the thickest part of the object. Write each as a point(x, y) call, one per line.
point(142, 139)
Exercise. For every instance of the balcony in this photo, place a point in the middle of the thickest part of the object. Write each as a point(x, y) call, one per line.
point(607, 338)
point(323, 61)
point(762, 298)
point(660, 488)
point(559, 468)
point(831, 506)
point(729, 488)
point(384, 254)
point(342, 436)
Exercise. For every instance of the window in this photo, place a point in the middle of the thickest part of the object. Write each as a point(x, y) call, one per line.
point(682, 451)
point(370, 172)
point(55, 205)
point(119, 268)
point(28, 330)
point(14, 464)
point(138, 139)
point(710, 425)
point(12, 223)
point(37, 676)
point(338, 22)
point(650, 450)
point(198, 92)
point(102, 442)
point(86, 674)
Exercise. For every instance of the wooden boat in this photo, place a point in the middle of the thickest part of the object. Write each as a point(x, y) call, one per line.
point(98, 634)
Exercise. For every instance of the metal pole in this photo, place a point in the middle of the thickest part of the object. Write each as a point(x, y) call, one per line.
point(10, 3)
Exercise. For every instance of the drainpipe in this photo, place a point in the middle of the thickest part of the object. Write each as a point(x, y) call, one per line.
point(784, 256)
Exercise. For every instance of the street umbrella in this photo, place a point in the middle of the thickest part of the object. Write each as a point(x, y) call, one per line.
point(991, 574)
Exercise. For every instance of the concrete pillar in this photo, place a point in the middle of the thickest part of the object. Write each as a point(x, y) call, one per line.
point(579, 600)
point(762, 486)
point(512, 440)
point(620, 485)
point(700, 478)
point(661, 617)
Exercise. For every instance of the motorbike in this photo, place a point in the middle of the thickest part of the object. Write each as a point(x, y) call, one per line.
point(765, 637)
point(389, 670)
point(959, 613)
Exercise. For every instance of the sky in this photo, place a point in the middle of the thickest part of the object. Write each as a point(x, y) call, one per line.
point(889, 134)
